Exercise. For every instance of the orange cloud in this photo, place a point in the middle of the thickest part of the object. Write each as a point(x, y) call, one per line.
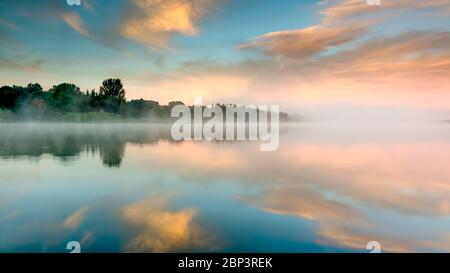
point(304, 43)
point(75, 219)
point(337, 62)
point(354, 9)
point(75, 22)
point(163, 230)
point(327, 63)
point(155, 20)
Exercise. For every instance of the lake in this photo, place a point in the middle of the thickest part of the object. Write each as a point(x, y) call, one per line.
point(131, 188)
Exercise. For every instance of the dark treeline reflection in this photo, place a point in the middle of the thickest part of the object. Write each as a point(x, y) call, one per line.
point(68, 141)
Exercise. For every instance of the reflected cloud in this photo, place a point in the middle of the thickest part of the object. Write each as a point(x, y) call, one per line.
point(74, 220)
point(391, 185)
point(161, 229)
point(344, 225)
point(304, 203)
point(355, 191)
point(342, 187)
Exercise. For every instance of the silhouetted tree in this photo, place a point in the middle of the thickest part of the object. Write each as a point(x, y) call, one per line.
point(113, 88)
point(112, 94)
point(9, 97)
point(65, 97)
point(34, 90)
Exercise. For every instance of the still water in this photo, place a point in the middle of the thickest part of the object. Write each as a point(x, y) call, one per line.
point(130, 188)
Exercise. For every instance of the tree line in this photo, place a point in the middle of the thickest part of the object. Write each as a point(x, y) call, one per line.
point(67, 102)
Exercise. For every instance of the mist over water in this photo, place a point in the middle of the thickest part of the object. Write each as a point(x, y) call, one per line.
point(130, 187)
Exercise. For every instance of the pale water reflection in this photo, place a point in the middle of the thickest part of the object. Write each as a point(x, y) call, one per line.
point(130, 188)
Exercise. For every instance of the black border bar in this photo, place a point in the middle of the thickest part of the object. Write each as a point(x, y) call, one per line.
point(277, 262)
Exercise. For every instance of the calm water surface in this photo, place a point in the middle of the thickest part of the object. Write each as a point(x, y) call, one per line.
point(130, 188)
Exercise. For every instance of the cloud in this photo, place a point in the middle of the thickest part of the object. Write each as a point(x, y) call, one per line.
point(164, 230)
point(148, 22)
point(22, 63)
point(354, 55)
point(342, 10)
point(75, 22)
point(153, 22)
point(410, 55)
point(304, 203)
point(390, 70)
point(334, 30)
point(75, 219)
point(304, 43)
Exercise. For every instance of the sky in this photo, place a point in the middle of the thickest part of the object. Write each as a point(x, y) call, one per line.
point(335, 58)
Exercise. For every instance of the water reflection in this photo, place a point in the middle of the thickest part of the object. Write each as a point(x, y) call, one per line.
point(160, 229)
point(67, 142)
point(326, 189)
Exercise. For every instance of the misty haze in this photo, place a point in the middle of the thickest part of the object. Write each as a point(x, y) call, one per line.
point(97, 156)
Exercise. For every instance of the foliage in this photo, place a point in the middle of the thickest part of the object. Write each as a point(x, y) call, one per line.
point(66, 102)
